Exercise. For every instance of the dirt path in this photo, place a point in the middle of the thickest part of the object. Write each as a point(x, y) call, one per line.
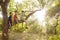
point(26, 36)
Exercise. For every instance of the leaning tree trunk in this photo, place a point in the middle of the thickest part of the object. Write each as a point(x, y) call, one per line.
point(5, 23)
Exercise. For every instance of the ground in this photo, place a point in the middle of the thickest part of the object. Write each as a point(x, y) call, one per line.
point(25, 36)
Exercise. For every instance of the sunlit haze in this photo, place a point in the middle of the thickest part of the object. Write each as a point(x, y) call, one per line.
point(1, 15)
point(40, 16)
point(19, 1)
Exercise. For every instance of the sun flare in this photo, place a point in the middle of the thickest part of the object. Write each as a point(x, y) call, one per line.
point(40, 16)
point(1, 15)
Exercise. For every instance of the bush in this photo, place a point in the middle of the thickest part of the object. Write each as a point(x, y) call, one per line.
point(18, 27)
point(34, 27)
point(54, 37)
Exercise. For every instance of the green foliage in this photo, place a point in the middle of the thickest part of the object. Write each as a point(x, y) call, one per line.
point(57, 35)
point(0, 27)
point(19, 27)
point(1, 24)
point(54, 37)
point(58, 29)
point(11, 6)
point(53, 10)
point(34, 27)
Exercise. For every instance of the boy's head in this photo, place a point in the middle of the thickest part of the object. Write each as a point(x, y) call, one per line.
point(15, 11)
point(22, 11)
point(10, 13)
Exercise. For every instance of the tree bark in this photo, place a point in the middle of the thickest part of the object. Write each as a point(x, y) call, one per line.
point(32, 12)
point(5, 22)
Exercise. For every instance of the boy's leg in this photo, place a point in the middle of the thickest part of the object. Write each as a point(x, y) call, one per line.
point(26, 24)
point(10, 24)
point(9, 27)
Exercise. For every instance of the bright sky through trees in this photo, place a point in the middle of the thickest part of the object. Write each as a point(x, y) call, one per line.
point(40, 16)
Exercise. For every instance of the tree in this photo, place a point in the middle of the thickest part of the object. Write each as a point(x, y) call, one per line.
point(54, 12)
point(3, 4)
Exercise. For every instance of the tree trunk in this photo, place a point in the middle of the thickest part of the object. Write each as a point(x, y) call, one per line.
point(5, 23)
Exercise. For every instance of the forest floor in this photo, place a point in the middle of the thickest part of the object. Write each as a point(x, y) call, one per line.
point(25, 36)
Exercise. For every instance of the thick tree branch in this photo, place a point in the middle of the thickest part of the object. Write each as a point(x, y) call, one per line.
point(32, 12)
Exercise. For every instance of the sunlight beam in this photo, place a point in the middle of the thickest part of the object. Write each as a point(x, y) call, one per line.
point(40, 16)
point(1, 15)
